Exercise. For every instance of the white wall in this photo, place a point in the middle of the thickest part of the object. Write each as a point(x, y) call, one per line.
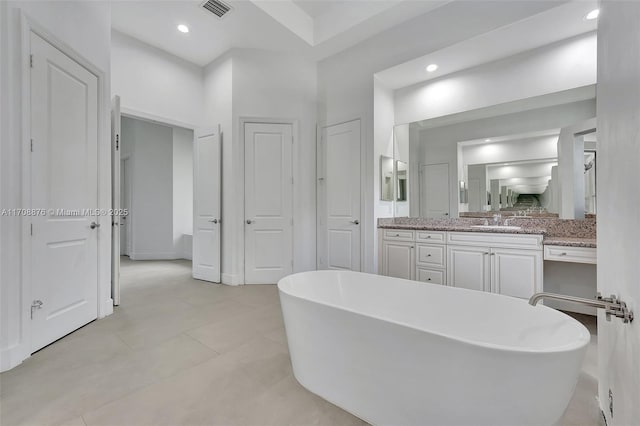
point(151, 184)
point(619, 205)
point(182, 189)
point(155, 83)
point(85, 27)
point(560, 66)
point(282, 87)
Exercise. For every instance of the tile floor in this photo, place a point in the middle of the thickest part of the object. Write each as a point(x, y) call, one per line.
point(184, 352)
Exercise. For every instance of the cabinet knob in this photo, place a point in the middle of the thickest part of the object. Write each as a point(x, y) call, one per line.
point(428, 279)
point(429, 255)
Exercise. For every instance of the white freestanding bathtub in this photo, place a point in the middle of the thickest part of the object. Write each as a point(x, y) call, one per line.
point(398, 352)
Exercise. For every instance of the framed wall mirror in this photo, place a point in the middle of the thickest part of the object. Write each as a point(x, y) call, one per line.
point(521, 158)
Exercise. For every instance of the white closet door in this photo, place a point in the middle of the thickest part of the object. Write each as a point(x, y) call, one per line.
point(207, 206)
point(64, 175)
point(341, 191)
point(268, 202)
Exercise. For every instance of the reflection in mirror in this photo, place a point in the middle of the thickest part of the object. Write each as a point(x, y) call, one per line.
point(590, 173)
point(386, 178)
point(509, 173)
point(502, 158)
point(401, 181)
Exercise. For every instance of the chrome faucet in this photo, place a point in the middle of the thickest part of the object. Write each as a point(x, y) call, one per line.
point(611, 305)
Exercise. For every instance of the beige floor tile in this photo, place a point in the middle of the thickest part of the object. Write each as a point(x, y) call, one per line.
point(78, 421)
point(179, 351)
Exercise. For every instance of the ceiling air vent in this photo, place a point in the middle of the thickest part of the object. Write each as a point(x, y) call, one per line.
point(216, 7)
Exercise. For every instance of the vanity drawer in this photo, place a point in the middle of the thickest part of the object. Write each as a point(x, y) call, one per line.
point(430, 276)
point(430, 255)
point(570, 254)
point(399, 235)
point(431, 237)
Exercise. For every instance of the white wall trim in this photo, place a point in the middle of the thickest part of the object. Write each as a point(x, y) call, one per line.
point(157, 119)
point(240, 178)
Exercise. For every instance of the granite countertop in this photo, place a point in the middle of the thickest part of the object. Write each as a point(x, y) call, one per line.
point(559, 232)
point(461, 228)
point(570, 242)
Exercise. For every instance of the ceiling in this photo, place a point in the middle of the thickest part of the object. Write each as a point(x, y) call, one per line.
point(313, 28)
point(552, 25)
point(320, 28)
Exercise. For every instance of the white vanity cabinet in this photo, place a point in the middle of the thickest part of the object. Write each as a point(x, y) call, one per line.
point(397, 253)
point(469, 267)
point(398, 259)
point(431, 257)
point(509, 264)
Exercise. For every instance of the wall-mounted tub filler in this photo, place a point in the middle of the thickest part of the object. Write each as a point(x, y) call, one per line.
point(611, 305)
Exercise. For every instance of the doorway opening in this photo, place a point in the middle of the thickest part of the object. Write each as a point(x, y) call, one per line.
point(155, 192)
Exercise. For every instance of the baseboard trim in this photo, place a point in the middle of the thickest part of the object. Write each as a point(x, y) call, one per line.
point(155, 256)
point(107, 308)
point(12, 357)
point(229, 279)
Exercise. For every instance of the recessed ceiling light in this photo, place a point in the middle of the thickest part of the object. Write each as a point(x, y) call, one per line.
point(432, 68)
point(487, 140)
point(593, 14)
point(183, 28)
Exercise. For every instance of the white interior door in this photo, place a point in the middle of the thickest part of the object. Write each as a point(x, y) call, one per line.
point(268, 202)
point(207, 172)
point(340, 188)
point(64, 248)
point(434, 193)
point(115, 200)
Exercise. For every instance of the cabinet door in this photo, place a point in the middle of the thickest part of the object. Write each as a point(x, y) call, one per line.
point(516, 273)
point(468, 267)
point(398, 259)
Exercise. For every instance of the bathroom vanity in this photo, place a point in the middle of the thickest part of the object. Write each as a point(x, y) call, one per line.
point(462, 253)
point(509, 264)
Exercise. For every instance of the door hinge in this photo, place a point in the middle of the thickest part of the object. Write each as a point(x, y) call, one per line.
point(31, 60)
point(31, 229)
point(117, 142)
point(31, 145)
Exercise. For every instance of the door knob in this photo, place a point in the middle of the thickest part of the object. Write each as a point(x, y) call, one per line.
point(249, 222)
point(214, 221)
point(94, 225)
point(355, 222)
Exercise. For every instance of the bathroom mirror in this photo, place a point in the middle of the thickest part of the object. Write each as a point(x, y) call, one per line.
point(401, 181)
point(503, 158)
point(386, 178)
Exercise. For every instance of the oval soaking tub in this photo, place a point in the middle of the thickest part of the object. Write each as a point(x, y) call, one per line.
point(399, 352)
